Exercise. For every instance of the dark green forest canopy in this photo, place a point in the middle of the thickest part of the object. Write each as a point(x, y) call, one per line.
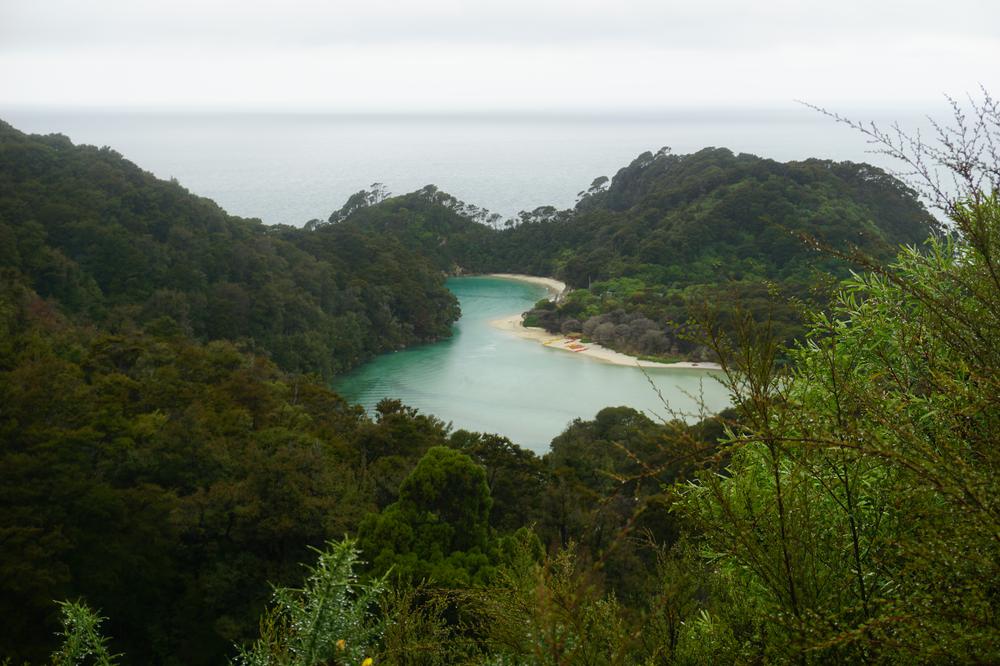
point(170, 482)
point(713, 215)
point(117, 246)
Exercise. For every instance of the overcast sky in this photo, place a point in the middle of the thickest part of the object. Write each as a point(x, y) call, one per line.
point(548, 55)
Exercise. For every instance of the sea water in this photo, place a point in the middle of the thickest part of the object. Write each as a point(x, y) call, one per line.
point(290, 168)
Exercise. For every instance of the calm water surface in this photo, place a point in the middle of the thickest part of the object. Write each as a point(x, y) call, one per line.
point(490, 380)
point(290, 168)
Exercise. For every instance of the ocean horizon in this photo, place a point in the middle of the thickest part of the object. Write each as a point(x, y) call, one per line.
point(291, 167)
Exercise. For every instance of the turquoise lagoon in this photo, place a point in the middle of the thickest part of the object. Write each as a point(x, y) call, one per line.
point(490, 380)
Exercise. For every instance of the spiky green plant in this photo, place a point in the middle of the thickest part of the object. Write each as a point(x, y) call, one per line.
point(332, 619)
point(82, 642)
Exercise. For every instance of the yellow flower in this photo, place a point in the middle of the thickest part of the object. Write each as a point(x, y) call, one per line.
point(341, 644)
point(368, 661)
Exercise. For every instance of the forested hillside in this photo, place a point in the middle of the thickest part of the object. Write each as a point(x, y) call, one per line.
point(169, 483)
point(119, 247)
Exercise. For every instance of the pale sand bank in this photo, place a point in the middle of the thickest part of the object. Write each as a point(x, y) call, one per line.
point(513, 324)
point(555, 287)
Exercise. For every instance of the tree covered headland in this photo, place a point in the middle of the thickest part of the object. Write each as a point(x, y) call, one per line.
point(117, 247)
point(644, 250)
point(174, 497)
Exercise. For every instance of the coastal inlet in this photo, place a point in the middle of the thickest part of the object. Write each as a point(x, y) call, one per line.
point(492, 376)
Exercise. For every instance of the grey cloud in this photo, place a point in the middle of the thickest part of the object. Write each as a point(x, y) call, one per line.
point(60, 25)
point(488, 55)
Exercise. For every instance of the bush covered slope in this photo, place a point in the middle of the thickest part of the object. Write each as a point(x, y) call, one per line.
point(168, 482)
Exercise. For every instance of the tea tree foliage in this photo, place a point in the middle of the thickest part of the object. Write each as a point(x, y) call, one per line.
point(860, 500)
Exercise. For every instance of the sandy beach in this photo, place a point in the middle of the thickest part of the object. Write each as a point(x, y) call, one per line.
point(514, 325)
point(555, 287)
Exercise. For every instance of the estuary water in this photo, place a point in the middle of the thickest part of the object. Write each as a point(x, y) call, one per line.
point(489, 380)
